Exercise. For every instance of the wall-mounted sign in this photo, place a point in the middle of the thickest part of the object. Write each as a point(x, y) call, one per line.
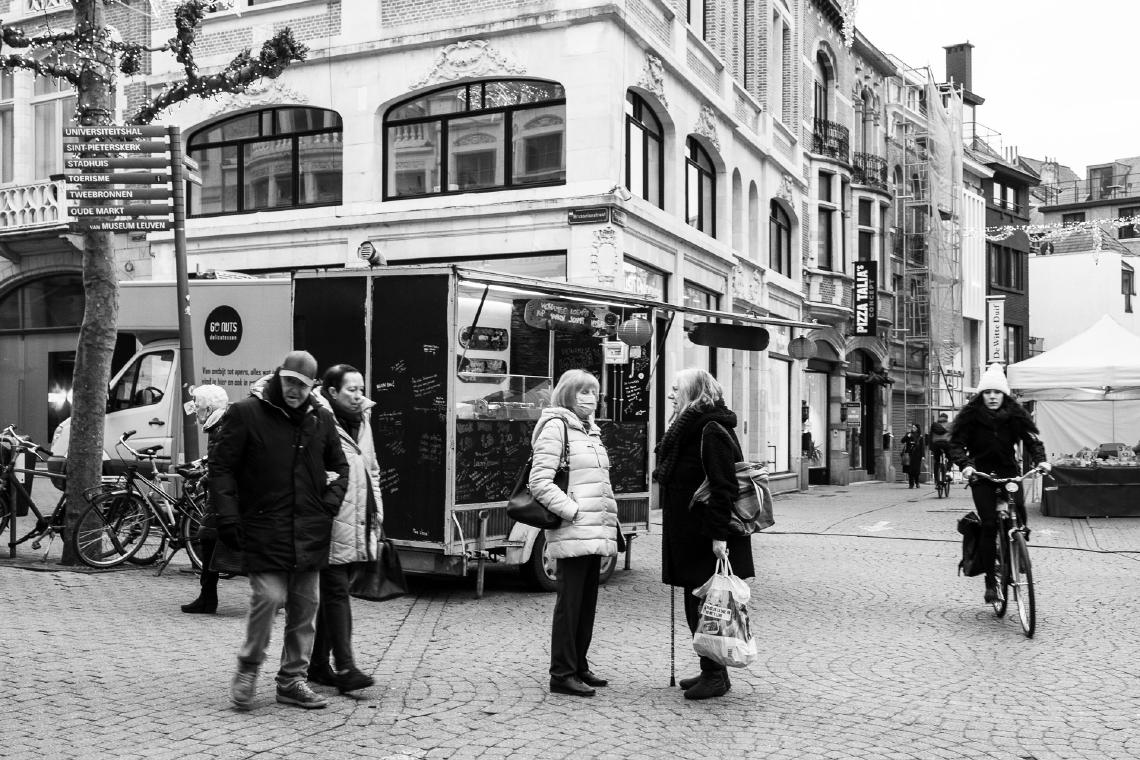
point(469, 366)
point(866, 297)
point(561, 316)
point(588, 215)
point(223, 330)
point(995, 329)
point(484, 338)
point(852, 414)
point(615, 352)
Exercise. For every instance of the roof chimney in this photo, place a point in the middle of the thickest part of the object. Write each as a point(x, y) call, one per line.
point(959, 64)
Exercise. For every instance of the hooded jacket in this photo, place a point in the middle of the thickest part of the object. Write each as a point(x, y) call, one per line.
point(351, 539)
point(985, 439)
point(280, 477)
point(588, 508)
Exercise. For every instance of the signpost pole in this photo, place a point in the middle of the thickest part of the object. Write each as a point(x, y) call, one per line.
point(185, 335)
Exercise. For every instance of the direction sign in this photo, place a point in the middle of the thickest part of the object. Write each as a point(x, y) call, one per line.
point(74, 165)
point(130, 209)
point(117, 131)
point(122, 225)
point(115, 194)
point(130, 146)
point(120, 178)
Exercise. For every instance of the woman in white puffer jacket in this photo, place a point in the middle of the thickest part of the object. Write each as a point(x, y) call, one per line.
point(355, 530)
point(589, 529)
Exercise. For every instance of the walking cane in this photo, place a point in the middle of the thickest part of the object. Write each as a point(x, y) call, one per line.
point(672, 636)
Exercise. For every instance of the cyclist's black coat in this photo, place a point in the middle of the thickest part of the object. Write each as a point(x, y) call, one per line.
point(268, 474)
point(985, 439)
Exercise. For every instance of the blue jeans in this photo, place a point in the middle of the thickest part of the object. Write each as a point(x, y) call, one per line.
point(299, 594)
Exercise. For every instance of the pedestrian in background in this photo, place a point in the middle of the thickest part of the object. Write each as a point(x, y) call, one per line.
point(355, 532)
point(984, 437)
point(700, 443)
point(590, 528)
point(277, 478)
point(914, 448)
point(210, 402)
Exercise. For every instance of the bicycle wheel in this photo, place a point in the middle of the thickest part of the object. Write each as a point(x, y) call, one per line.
point(111, 529)
point(193, 513)
point(1002, 571)
point(151, 546)
point(1022, 571)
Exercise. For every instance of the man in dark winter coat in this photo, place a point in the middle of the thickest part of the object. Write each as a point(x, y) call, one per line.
point(277, 478)
point(983, 437)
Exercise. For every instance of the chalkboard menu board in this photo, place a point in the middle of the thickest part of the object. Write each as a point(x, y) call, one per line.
point(577, 352)
point(410, 370)
point(627, 444)
point(529, 346)
point(488, 456)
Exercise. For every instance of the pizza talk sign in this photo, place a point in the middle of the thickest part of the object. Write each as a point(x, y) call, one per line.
point(866, 297)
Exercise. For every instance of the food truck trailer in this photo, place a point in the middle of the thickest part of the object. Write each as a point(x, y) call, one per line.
point(460, 364)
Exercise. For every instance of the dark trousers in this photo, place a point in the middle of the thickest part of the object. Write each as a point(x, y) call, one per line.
point(693, 618)
point(574, 609)
point(209, 578)
point(334, 619)
point(985, 502)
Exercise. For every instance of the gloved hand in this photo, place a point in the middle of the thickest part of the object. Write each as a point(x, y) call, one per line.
point(1044, 467)
point(229, 535)
point(720, 549)
point(968, 473)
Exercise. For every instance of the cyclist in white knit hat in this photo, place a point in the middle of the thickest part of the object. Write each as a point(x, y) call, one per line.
point(983, 437)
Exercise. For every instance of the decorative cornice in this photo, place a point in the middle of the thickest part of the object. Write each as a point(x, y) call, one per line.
point(653, 78)
point(265, 92)
point(706, 126)
point(468, 58)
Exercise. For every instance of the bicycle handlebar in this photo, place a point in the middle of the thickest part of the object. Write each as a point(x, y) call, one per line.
point(1002, 481)
point(20, 441)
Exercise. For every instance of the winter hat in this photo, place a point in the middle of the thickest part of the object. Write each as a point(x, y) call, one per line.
point(300, 365)
point(993, 379)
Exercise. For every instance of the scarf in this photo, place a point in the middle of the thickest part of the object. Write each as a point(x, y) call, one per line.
point(350, 421)
point(689, 423)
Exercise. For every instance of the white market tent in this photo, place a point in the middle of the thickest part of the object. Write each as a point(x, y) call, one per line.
point(1087, 389)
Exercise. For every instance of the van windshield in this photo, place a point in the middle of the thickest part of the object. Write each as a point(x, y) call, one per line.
point(143, 383)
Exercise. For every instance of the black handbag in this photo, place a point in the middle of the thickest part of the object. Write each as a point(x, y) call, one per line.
point(523, 507)
point(380, 578)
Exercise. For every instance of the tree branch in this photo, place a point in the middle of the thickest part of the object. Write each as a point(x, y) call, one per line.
point(275, 55)
point(70, 73)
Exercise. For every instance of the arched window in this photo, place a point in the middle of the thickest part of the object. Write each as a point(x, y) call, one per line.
point(644, 170)
point(779, 239)
point(487, 135)
point(822, 87)
point(700, 188)
point(52, 302)
point(275, 158)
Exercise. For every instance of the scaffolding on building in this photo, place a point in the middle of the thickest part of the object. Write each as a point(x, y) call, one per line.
point(929, 225)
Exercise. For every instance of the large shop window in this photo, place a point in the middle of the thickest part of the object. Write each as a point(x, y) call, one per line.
point(694, 355)
point(644, 170)
point(275, 158)
point(777, 412)
point(52, 302)
point(488, 135)
point(700, 188)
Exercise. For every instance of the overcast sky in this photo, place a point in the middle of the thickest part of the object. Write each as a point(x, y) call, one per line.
point(1058, 77)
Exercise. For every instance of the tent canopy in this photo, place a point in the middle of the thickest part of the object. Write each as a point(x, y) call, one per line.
point(1101, 362)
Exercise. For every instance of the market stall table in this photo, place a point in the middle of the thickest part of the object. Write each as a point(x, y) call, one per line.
point(1100, 491)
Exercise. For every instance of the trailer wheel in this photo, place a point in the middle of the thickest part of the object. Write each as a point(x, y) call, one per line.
point(539, 570)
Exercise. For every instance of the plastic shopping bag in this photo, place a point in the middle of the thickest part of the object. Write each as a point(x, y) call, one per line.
point(723, 633)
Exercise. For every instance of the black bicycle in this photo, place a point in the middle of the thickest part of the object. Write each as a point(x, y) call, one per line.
point(138, 521)
point(15, 494)
point(1014, 569)
point(940, 472)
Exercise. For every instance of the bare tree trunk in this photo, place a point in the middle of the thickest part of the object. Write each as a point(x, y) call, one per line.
point(101, 291)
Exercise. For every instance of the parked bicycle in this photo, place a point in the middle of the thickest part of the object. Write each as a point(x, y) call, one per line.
point(16, 493)
point(1015, 571)
point(138, 521)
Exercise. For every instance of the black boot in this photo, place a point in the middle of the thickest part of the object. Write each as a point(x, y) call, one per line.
point(205, 604)
point(713, 683)
point(993, 594)
point(688, 683)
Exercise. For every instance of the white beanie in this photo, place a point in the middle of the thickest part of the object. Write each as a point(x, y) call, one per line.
point(993, 379)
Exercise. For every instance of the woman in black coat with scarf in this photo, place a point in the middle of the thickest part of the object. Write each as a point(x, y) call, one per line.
point(694, 538)
point(914, 447)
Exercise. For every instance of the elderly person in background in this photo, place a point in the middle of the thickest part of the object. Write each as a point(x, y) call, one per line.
point(589, 531)
point(210, 402)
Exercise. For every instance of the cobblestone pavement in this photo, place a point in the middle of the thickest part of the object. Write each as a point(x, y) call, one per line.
point(872, 648)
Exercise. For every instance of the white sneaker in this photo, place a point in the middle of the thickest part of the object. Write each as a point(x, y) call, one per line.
point(300, 694)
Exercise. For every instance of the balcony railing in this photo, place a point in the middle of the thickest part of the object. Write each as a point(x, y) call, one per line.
point(1099, 188)
point(870, 170)
point(831, 140)
point(27, 207)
